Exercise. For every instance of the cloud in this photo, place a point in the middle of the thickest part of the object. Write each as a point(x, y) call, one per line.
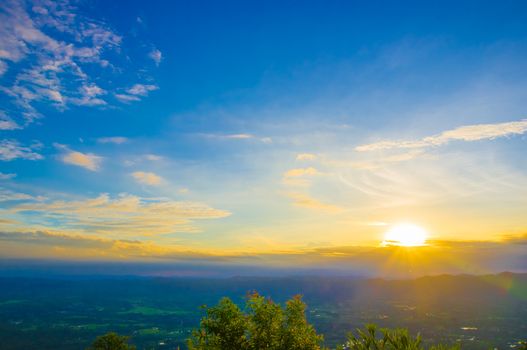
point(11, 150)
point(306, 201)
point(55, 55)
point(7, 176)
point(147, 178)
point(88, 96)
point(239, 136)
point(122, 216)
point(114, 139)
point(49, 243)
point(7, 123)
point(127, 98)
point(474, 132)
point(135, 92)
point(156, 56)
point(306, 156)
point(141, 89)
point(88, 161)
point(298, 172)
point(7, 195)
point(153, 157)
point(54, 239)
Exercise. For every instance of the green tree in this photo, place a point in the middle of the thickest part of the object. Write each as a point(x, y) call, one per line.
point(298, 333)
point(264, 325)
point(387, 339)
point(111, 341)
point(224, 328)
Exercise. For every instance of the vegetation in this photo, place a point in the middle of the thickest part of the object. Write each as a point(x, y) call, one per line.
point(266, 325)
point(111, 341)
point(396, 339)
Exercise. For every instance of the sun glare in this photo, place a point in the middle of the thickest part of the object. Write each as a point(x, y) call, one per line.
point(405, 235)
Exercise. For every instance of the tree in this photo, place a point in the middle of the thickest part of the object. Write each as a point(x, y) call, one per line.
point(264, 325)
point(388, 339)
point(223, 328)
point(111, 341)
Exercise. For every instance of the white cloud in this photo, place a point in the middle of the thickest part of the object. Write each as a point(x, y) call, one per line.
point(114, 139)
point(147, 178)
point(88, 161)
point(474, 132)
point(153, 157)
point(239, 136)
point(306, 201)
point(89, 96)
point(156, 55)
point(11, 149)
point(126, 98)
point(142, 158)
point(7, 176)
point(135, 92)
point(141, 89)
point(7, 195)
point(125, 215)
point(305, 156)
point(55, 55)
point(3, 68)
point(7, 123)
point(298, 172)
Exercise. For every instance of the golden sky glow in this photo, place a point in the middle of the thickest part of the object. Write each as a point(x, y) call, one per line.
point(351, 150)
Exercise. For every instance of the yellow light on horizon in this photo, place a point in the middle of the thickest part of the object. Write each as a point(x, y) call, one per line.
point(405, 235)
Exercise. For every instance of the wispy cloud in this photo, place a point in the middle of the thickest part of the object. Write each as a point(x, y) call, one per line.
point(12, 149)
point(240, 136)
point(156, 56)
point(37, 243)
point(135, 92)
point(88, 161)
point(55, 55)
point(474, 132)
point(141, 89)
point(9, 176)
point(147, 178)
point(7, 123)
point(298, 172)
point(123, 216)
point(142, 158)
point(7, 195)
point(114, 139)
point(305, 156)
point(127, 98)
point(306, 201)
point(153, 157)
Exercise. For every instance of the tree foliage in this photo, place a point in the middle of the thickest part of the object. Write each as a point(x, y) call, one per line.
point(263, 325)
point(387, 339)
point(111, 341)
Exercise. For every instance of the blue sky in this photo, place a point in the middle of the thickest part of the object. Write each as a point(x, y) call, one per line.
point(133, 129)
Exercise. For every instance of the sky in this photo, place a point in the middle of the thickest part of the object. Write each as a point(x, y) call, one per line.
point(264, 133)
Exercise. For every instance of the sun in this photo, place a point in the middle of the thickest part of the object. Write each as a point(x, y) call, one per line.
point(405, 235)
